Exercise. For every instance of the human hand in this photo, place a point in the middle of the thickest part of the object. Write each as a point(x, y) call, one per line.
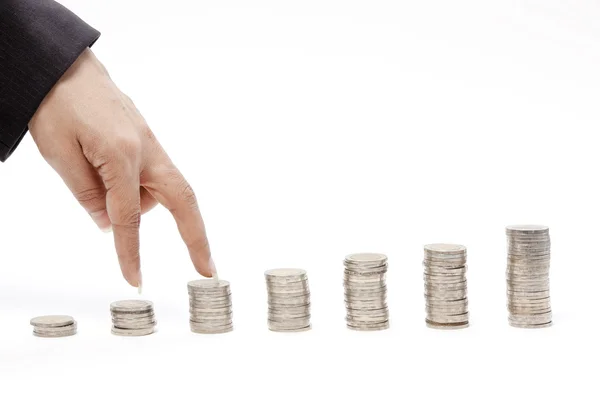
point(95, 138)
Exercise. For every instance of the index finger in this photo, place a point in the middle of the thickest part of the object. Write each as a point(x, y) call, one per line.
point(123, 208)
point(167, 185)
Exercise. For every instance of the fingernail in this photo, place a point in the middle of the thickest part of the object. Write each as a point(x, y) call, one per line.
point(213, 269)
point(140, 283)
point(101, 219)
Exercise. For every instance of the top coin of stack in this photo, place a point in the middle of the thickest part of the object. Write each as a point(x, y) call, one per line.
point(210, 306)
point(289, 300)
point(132, 318)
point(528, 276)
point(446, 303)
point(365, 291)
point(54, 326)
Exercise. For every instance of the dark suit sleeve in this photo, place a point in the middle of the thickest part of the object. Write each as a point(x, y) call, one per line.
point(39, 40)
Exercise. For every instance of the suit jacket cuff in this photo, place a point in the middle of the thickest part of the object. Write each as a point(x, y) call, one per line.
point(39, 41)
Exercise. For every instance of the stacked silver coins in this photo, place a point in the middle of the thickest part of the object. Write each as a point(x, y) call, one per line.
point(132, 318)
point(210, 306)
point(446, 303)
point(54, 326)
point(528, 276)
point(365, 292)
point(288, 299)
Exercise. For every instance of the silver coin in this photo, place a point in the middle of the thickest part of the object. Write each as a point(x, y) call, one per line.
point(293, 330)
point(366, 292)
point(376, 314)
point(367, 306)
point(366, 274)
point(209, 331)
point(437, 279)
point(446, 326)
point(137, 325)
point(283, 304)
point(209, 312)
point(435, 302)
point(285, 274)
point(278, 315)
point(369, 272)
point(56, 329)
point(200, 317)
point(366, 258)
point(529, 326)
point(58, 334)
point(225, 302)
point(52, 321)
point(359, 278)
point(127, 318)
point(287, 327)
point(131, 306)
point(445, 248)
point(354, 320)
point(446, 294)
point(444, 287)
point(445, 272)
point(369, 328)
point(527, 229)
point(132, 320)
point(208, 285)
point(447, 310)
point(132, 332)
point(448, 319)
point(51, 331)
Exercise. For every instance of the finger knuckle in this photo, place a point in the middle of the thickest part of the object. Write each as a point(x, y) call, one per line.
point(131, 218)
point(186, 194)
point(90, 196)
point(131, 147)
point(147, 133)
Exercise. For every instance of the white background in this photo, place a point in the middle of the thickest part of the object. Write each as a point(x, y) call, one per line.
point(311, 130)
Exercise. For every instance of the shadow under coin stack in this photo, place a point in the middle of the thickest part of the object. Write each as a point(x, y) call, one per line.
point(210, 306)
point(528, 276)
point(445, 277)
point(132, 318)
point(54, 326)
point(289, 300)
point(365, 292)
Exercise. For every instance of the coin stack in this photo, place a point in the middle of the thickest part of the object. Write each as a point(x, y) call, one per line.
point(54, 326)
point(210, 306)
point(528, 276)
point(132, 318)
point(446, 303)
point(288, 299)
point(365, 292)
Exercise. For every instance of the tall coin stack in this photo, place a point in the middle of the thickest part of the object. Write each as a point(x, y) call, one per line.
point(365, 292)
point(446, 303)
point(132, 318)
point(288, 299)
point(210, 306)
point(528, 276)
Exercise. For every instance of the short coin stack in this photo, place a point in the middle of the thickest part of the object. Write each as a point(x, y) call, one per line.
point(365, 292)
point(132, 318)
point(288, 299)
point(528, 276)
point(54, 326)
point(446, 303)
point(210, 306)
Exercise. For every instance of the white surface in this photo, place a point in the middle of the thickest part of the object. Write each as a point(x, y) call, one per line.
point(310, 130)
